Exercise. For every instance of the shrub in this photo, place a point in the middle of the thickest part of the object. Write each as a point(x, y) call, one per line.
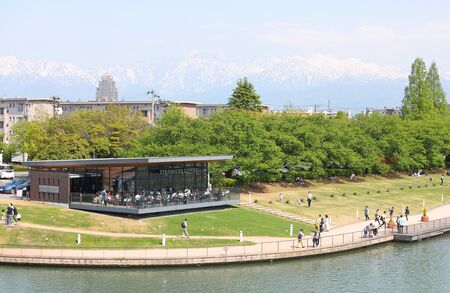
point(387, 190)
point(410, 187)
point(314, 198)
point(418, 186)
point(354, 193)
point(426, 185)
point(368, 192)
point(302, 200)
point(287, 201)
point(331, 195)
point(343, 194)
point(434, 184)
point(270, 202)
point(378, 191)
point(401, 188)
point(255, 201)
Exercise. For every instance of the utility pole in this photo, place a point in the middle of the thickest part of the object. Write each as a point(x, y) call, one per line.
point(154, 95)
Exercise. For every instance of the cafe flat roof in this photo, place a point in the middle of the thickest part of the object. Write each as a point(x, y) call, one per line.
point(124, 161)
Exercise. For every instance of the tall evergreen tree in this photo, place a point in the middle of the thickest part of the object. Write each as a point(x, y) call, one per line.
point(244, 97)
point(417, 102)
point(436, 91)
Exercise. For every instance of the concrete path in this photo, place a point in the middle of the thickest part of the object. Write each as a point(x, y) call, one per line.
point(279, 213)
point(338, 239)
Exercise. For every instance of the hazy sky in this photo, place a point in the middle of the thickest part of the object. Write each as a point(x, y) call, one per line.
point(100, 33)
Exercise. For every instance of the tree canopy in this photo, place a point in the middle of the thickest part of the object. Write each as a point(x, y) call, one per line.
point(424, 96)
point(244, 97)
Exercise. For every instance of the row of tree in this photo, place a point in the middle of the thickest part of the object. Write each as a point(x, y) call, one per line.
point(266, 146)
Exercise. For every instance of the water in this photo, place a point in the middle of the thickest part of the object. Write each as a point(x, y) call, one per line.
point(395, 267)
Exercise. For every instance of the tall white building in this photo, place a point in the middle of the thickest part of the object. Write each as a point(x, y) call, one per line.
point(106, 91)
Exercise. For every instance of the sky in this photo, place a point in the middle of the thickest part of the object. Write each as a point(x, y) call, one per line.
point(102, 33)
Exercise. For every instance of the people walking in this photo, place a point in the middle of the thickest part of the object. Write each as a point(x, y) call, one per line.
point(300, 238)
point(366, 213)
point(184, 228)
point(317, 223)
point(309, 198)
point(327, 223)
point(322, 225)
point(391, 212)
point(406, 213)
point(10, 214)
point(316, 239)
point(377, 217)
point(383, 220)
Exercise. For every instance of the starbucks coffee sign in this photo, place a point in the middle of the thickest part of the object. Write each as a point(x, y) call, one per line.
point(177, 171)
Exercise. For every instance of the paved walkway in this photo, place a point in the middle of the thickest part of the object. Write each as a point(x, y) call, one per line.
point(279, 213)
point(338, 239)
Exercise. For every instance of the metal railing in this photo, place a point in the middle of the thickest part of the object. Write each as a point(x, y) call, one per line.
point(424, 227)
point(258, 250)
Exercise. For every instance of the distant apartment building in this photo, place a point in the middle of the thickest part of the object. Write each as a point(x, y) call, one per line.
point(107, 90)
point(144, 107)
point(385, 111)
point(204, 110)
point(13, 110)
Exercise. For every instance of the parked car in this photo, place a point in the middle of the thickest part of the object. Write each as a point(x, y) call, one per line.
point(15, 185)
point(6, 171)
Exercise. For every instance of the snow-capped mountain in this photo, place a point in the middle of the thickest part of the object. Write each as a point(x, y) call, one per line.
point(301, 80)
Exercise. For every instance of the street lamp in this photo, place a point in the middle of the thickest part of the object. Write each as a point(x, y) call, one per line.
point(154, 95)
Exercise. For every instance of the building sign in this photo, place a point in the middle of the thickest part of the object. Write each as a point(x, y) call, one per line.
point(48, 189)
point(178, 171)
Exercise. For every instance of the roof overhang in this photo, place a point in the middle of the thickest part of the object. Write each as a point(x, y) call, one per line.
point(86, 163)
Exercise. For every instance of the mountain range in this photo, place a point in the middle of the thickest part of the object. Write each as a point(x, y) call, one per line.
point(295, 80)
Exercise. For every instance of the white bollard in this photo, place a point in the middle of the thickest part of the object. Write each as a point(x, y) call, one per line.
point(164, 240)
point(241, 236)
point(79, 239)
point(357, 214)
point(291, 230)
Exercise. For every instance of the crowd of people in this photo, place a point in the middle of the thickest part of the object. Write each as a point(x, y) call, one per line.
point(155, 198)
point(11, 216)
point(380, 220)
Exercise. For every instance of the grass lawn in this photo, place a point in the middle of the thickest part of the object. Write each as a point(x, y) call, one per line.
point(38, 237)
point(227, 222)
point(341, 200)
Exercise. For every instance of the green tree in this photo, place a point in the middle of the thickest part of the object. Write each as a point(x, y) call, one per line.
point(244, 97)
point(436, 91)
point(417, 102)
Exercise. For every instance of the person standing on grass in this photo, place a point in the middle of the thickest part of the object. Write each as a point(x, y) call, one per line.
point(406, 213)
point(366, 213)
point(281, 197)
point(184, 227)
point(327, 223)
point(300, 238)
point(309, 198)
point(442, 179)
point(10, 213)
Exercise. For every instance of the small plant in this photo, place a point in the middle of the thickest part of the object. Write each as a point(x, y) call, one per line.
point(387, 190)
point(255, 201)
point(434, 184)
point(331, 195)
point(354, 193)
point(378, 191)
point(410, 187)
point(343, 194)
point(418, 186)
point(426, 185)
point(270, 202)
point(401, 188)
point(287, 201)
point(302, 200)
point(314, 198)
point(368, 192)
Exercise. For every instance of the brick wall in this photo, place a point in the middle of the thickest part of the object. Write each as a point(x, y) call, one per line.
point(47, 179)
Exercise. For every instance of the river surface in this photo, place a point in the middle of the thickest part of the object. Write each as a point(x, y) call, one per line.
point(394, 267)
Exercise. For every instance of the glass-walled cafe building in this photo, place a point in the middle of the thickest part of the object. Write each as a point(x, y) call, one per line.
point(129, 185)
